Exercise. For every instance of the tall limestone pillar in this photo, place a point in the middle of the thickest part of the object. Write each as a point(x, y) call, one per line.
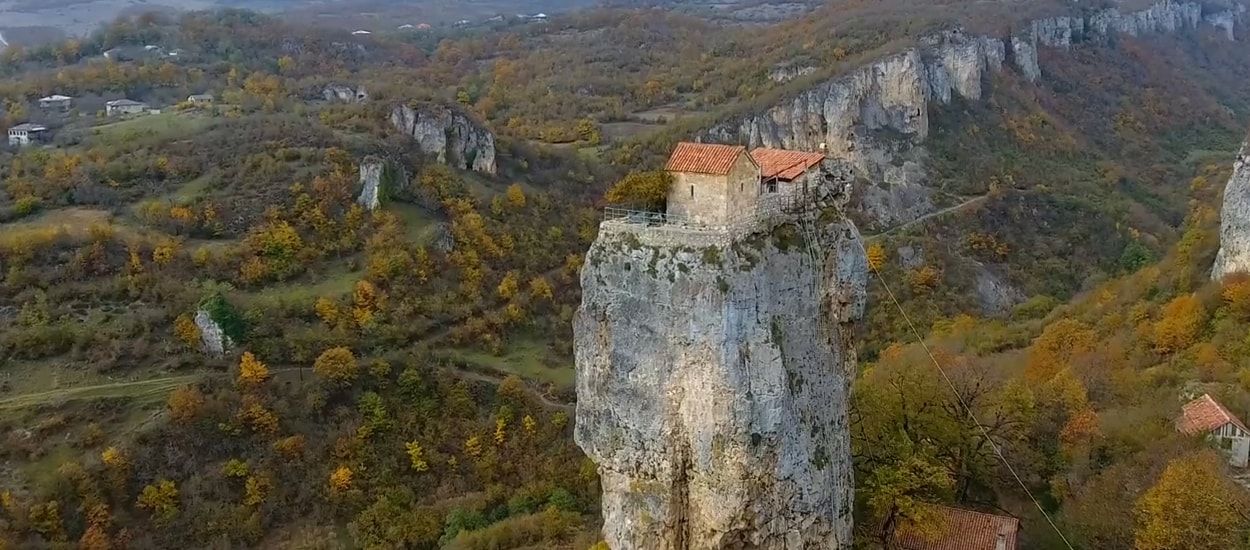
point(1234, 252)
point(713, 372)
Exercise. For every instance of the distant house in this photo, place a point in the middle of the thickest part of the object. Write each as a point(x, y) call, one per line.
point(27, 133)
point(56, 102)
point(1207, 417)
point(423, 26)
point(406, 27)
point(119, 107)
point(361, 32)
point(200, 99)
point(959, 529)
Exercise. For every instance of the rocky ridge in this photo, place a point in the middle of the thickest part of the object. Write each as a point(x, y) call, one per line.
point(876, 117)
point(1234, 254)
point(713, 373)
point(449, 135)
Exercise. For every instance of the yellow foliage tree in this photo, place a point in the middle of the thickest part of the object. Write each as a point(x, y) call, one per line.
point(1179, 324)
point(516, 196)
point(1053, 351)
point(341, 479)
point(540, 289)
point(161, 500)
point(336, 365)
point(187, 331)
point(257, 417)
point(327, 310)
point(876, 256)
point(252, 372)
point(255, 489)
point(508, 286)
point(1191, 507)
point(501, 430)
point(473, 446)
point(416, 456)
point(184, 404)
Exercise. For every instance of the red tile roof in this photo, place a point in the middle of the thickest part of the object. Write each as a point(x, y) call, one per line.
point(704, 158)
point(1205, 414)
point(960, 529)
point(784, 165)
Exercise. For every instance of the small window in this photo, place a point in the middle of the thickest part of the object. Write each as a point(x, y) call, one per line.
point(692, 191)
point(1226, 443)
point(771, 186)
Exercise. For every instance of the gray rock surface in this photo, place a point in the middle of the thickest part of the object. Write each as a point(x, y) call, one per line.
point(1234, 254)
point(345, 94)
point(449, 135)
point(213, 339)
point(995, 296)
point(713, 373)
point(370, 182)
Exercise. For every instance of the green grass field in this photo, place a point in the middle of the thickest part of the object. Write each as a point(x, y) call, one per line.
point(526, 357)
point(147, 130)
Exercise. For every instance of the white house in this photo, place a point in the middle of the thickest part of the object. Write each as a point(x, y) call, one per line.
point(124, 107)
point(56, 102)
point(200, 99)
point(1206, 416)
point(25, 134)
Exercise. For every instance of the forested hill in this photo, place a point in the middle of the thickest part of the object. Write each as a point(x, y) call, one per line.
point(401, 376)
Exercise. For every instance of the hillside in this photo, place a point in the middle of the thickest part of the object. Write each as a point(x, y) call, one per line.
point(402, 376)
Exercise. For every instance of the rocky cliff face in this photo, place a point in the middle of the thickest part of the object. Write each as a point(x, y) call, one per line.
point(712, 383)
point(213, 339)
point(1234, 252)
point(876, 117)
point(370, 183)
point(449, 135)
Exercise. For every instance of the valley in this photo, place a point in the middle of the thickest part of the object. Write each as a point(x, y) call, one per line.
point(269, 282)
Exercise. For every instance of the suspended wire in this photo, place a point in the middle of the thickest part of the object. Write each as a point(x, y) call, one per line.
point(964, 404)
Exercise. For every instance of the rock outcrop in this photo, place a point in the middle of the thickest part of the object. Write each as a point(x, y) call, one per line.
point(449, 135)
point(370, 182)
point(876, 117)
point(1234, 254)
point(345, 94)
point(213, 339)
point(713, 372)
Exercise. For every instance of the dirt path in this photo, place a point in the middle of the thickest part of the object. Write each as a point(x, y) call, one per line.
point(921, 219)
point(138, 388)
point(154, 387)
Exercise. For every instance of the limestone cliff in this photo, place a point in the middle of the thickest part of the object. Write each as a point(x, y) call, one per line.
point(449, 135)
point(876, 117)
point(370, 183)
point(213, 339)
point(712, 383)
point(1234, 252)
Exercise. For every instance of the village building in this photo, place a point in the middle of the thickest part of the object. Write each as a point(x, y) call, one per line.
point(26, 134)
point(119, 107)
point(960, 529)
point(1206, 417)
point(716, 184)
point(56, 102)
point(200, 99)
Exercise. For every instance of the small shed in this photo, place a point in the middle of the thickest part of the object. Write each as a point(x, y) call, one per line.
point(1206, 417)
point(200, 99)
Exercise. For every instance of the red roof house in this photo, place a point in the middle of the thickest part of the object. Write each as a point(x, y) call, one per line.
point(960, 529)
point(1206, 416)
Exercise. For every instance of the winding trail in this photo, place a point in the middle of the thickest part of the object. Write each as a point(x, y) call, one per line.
point(160, 387)
point(935, 213)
